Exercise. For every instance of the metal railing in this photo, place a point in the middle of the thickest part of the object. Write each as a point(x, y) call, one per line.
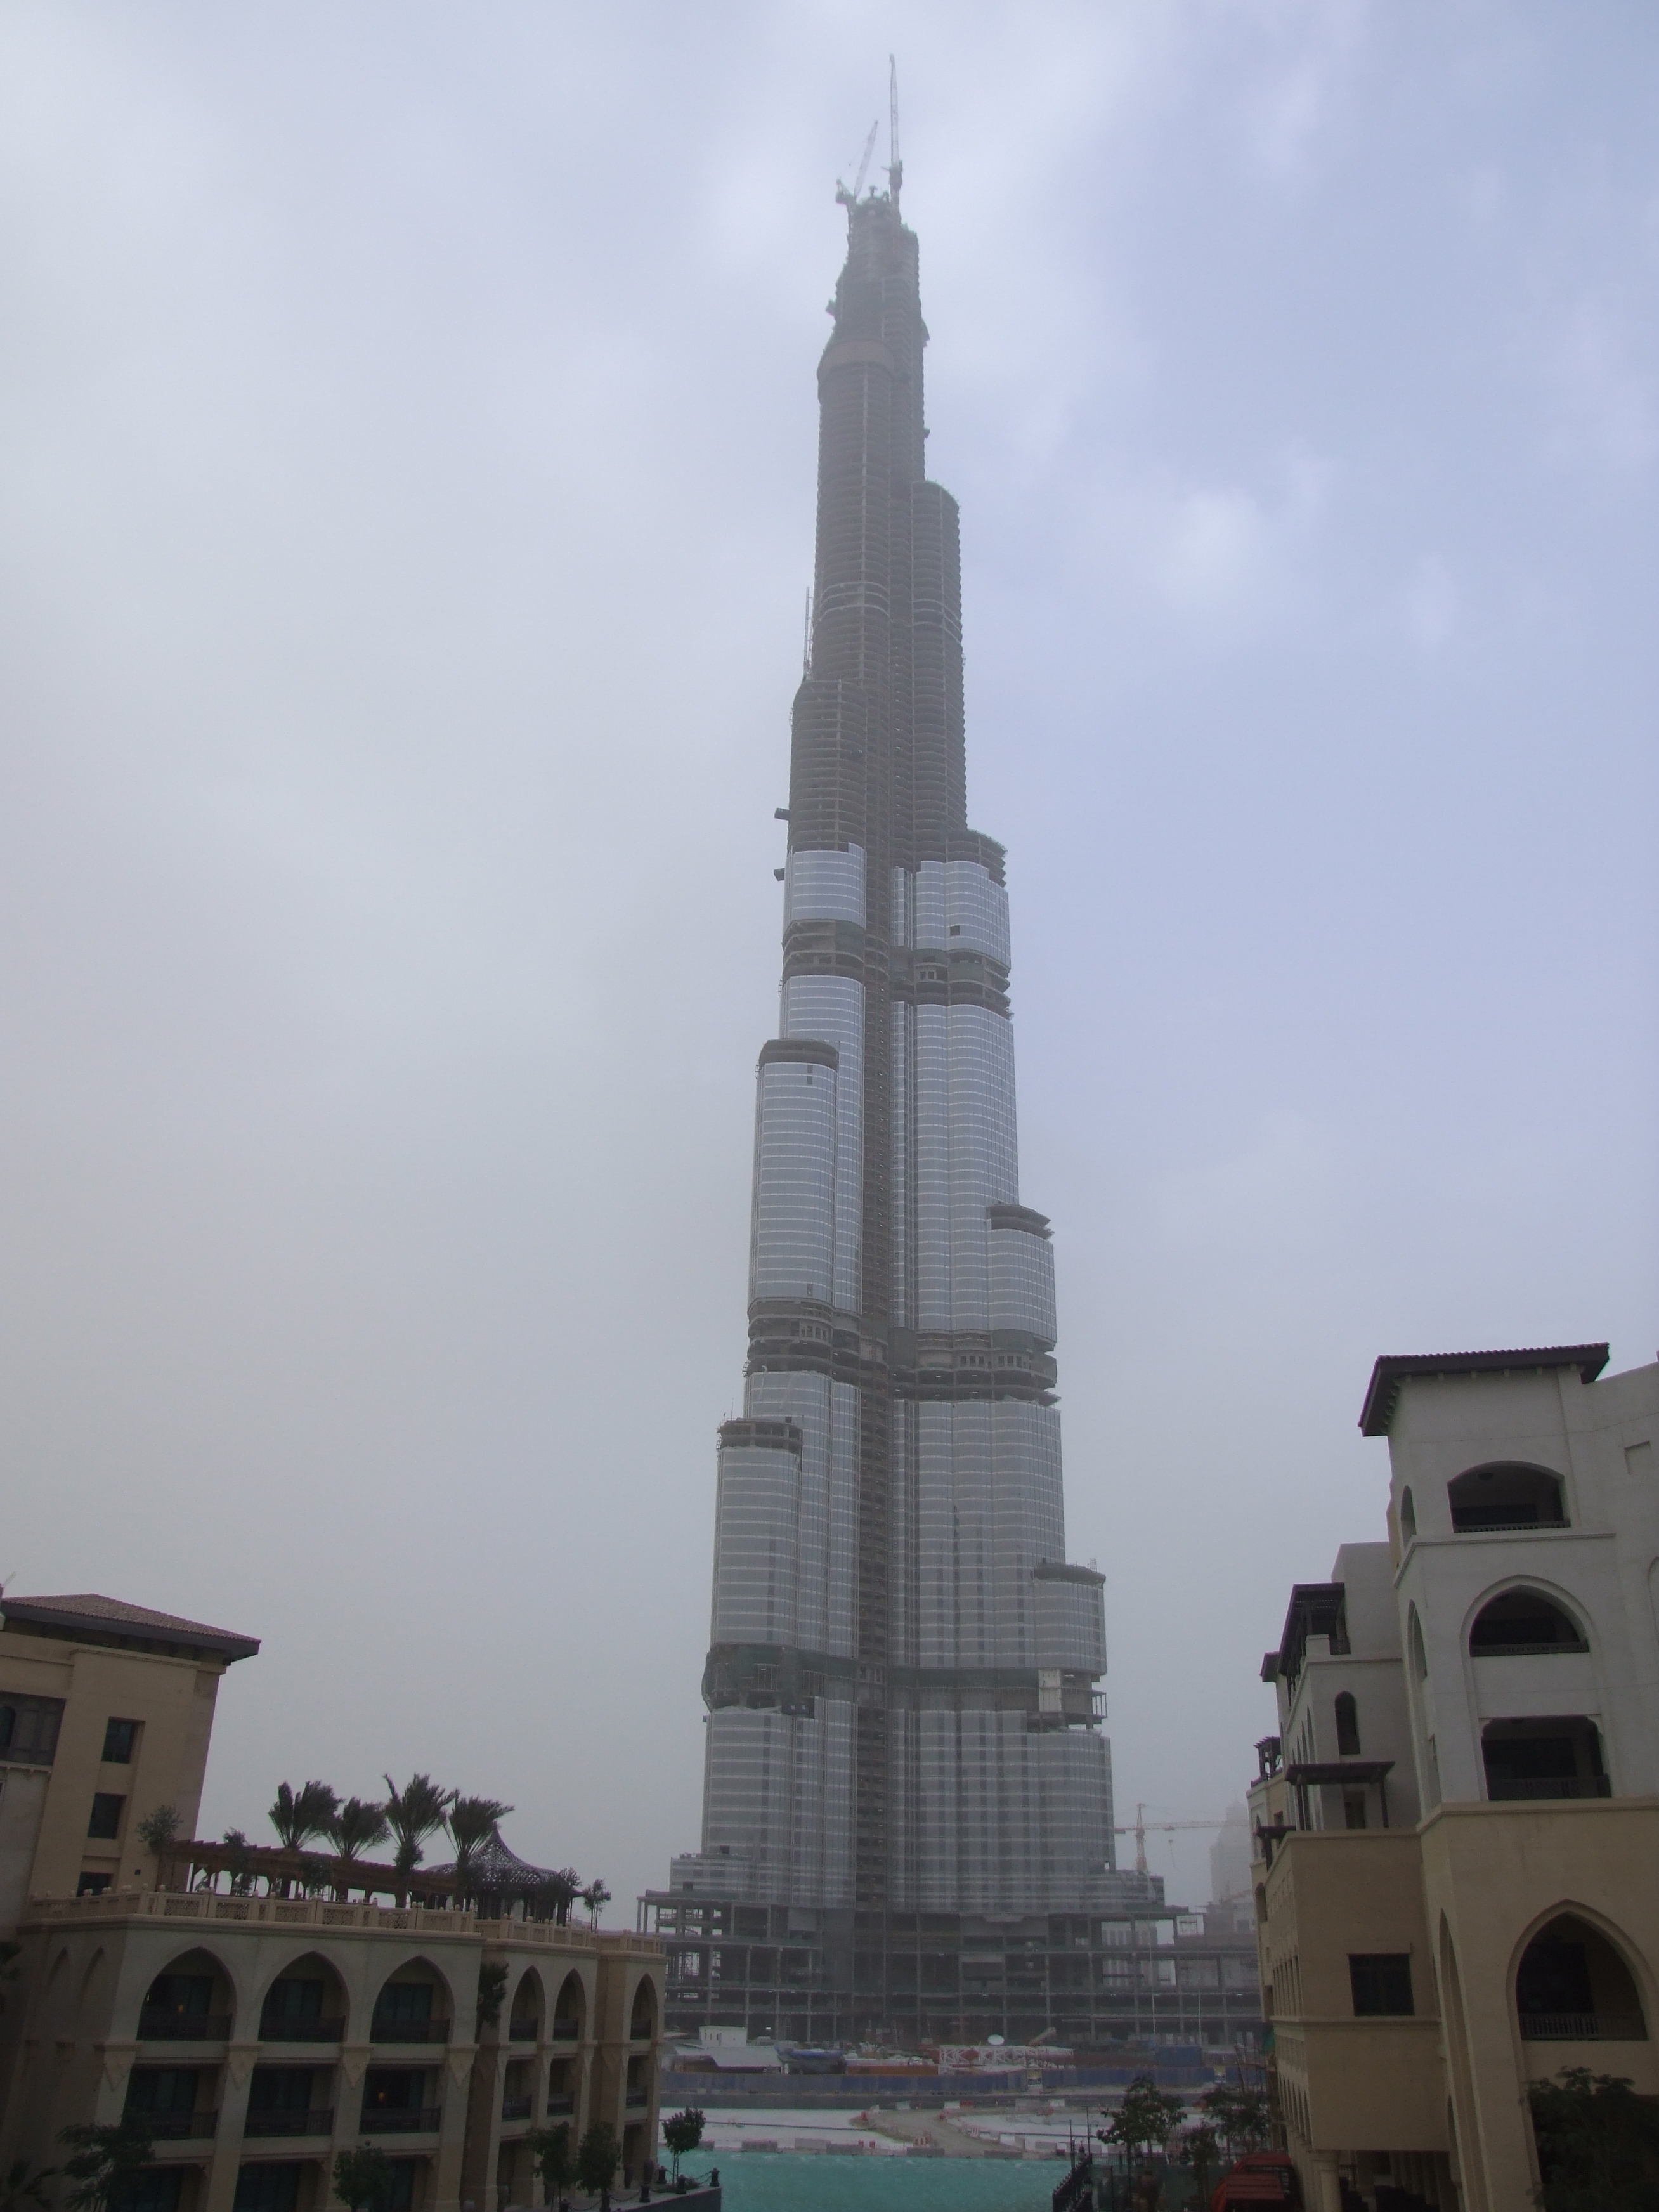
point(177, 2127)
point(1525, 1650)
point(1545, 1786)
point(522, 2031)
point(422, 2120)
point(274, 2028)
point(1582, 2027)
point(515, 2108)
point(317, 2120)
point(1462, 1525)
point(561, 2103)
point(567, 2031)
point(637, 2099)
point(159, 2027)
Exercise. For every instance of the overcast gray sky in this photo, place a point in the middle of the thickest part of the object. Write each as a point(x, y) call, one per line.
point(409, 417)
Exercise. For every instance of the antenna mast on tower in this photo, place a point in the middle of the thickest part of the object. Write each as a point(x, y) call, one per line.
point(895, 167)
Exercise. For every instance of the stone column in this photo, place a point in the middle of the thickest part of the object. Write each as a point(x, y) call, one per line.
point(1328, 2186)
point(456, 2075)
point(237, 2073)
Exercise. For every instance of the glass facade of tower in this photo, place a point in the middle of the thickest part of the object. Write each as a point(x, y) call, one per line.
point(902, 1683)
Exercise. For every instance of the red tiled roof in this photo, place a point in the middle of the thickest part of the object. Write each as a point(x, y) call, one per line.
point(113, 1615)
point(1393, 1368)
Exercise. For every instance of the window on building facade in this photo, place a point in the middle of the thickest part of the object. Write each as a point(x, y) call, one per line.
point(269, 2186)
point(1520, 1623)
point(1347, 1726)
point(1572, 1985)
point(1407, 1516)
point(119, 1739)
point(105, 1825)
point(1382, 1984)
point(28, 1730)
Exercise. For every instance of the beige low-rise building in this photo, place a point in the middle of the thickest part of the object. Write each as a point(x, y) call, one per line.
point(260, 2035)
point(1457, 1823)
point(106, 1714)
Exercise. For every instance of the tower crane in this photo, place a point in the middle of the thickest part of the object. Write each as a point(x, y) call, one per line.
point(864, 166)
point(1157, 1828)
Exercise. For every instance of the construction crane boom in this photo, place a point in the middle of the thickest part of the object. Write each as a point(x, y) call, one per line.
point(1143, 1826)
point(864, 166)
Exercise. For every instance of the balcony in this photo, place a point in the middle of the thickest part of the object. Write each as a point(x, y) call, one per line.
point(415, 2120)
point(159, 2027)
point(638, 2099)
point(178, 2127)
point(1473, 1521)
point(567, 2031)
point(279, 2030)
point(1582, 2027)
point(317, 2120)
point(1546, 1650)
point(516, 2108)
point(522, 2031)
point(1546, 1786)
point(409, 2031)
point(560, 2104)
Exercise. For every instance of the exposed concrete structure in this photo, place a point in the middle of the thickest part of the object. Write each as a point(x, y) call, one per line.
point(902, 1679)
point(1457, 1825)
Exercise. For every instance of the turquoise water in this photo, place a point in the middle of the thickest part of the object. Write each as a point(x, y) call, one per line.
point(763, 2181)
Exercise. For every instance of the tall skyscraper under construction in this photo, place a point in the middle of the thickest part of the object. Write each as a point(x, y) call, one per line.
point(904, 1709)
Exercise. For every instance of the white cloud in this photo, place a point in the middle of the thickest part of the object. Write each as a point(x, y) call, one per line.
point(1228, 558)
point(1429, 602)
point(1609, 402)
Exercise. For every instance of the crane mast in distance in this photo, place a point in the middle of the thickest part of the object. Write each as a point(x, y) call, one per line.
point(895, 166)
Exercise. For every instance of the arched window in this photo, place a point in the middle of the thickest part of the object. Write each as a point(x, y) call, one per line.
point(1571, 1986)
point(190, 2001)
point(1407, 1514)
point(643, 2025)
point(1414, 1637)
point(1485, 1500)
point(1347, 1726)
point(570, 2010)
point(525, 2015)
point(412, 2007)
point(305, 2003)
point(1522, 1623)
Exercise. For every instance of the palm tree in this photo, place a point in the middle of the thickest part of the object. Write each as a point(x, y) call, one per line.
point(596, 1897)
point(299, 1814)
point(471, 1824)
point(414, 1812)
point(25, 2188)
point(360, 1824)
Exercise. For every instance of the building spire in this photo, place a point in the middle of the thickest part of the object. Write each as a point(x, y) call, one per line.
point(895, 166)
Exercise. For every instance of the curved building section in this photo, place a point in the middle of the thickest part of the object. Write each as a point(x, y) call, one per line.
point(903, 1667)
